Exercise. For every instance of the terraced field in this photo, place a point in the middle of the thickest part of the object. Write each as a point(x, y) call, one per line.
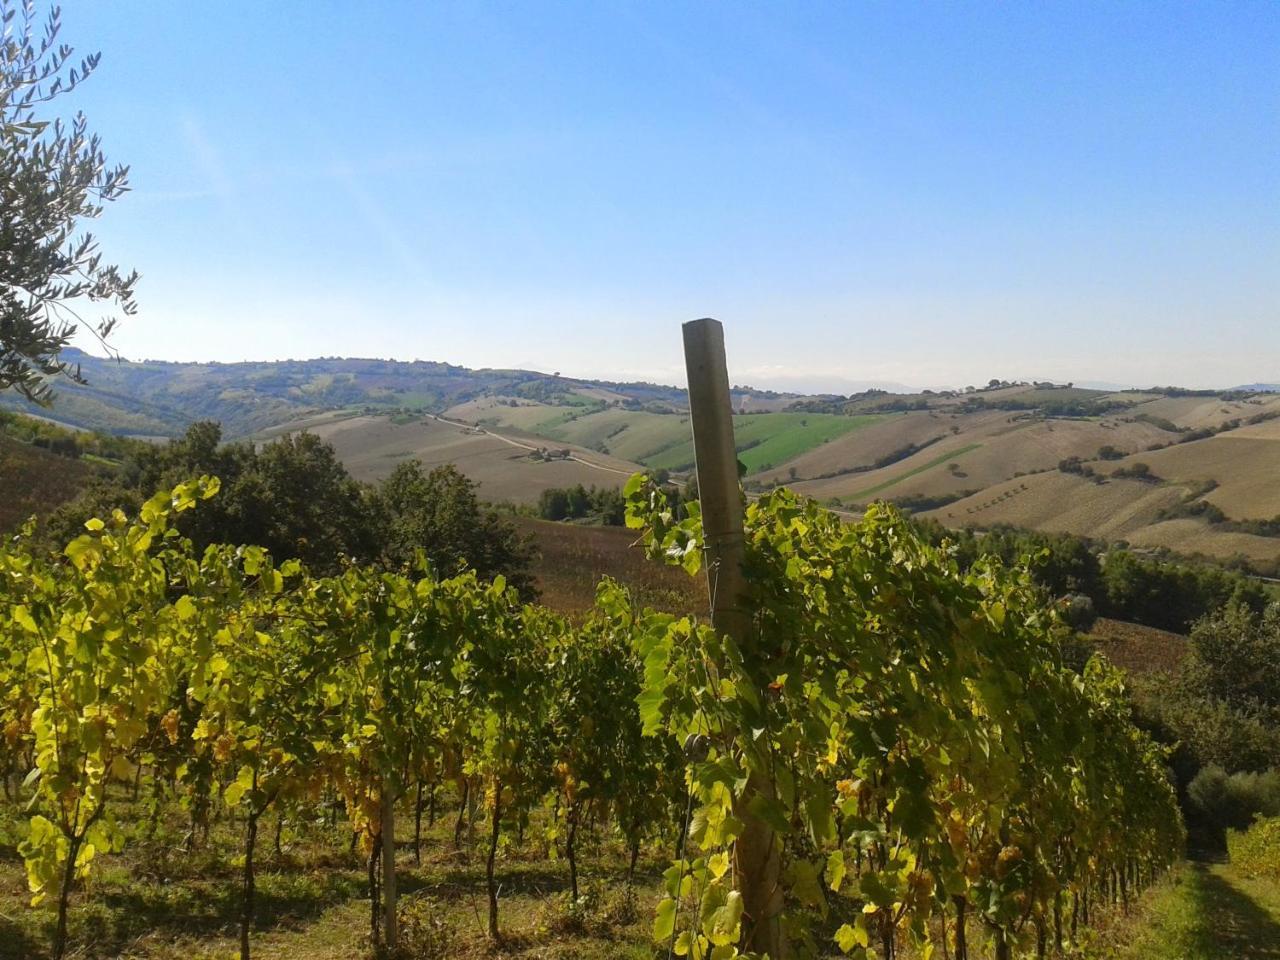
point(985, 449)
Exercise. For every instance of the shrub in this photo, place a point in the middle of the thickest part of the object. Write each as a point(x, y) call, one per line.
point(426, 931)
point(1256, 851)
point(1078, 610)
point(1136, 471)
point(1232, 801)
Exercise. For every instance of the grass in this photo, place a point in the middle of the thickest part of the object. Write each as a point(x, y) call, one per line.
point(158, 901)
point(1205, 912)
point(638, 435)
point(936, 461)
point(767, 440)
point(791, 434)
point(664, 441)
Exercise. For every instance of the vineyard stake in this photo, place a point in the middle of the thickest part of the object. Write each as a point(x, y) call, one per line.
point(388, 831)
point(757, 852)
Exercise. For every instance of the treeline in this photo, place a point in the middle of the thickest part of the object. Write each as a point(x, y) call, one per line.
point(1065, 407)
point(594, 504)
point(1118, 583)
point(295, 498)
point(605, 506)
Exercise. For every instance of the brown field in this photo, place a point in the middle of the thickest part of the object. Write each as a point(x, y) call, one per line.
point(1267, 430)
point(744, 403)
point(525, 415)
point(1008, 444)
point(1196, 412)
point(1137, 649)
point(1246, 468)
point(304, 423)
point(1189, 536)
point(1114, 510)
point(372, 446)
point(36, 481)
point(1009, 458)
point(574, 558)
point(1064, 503)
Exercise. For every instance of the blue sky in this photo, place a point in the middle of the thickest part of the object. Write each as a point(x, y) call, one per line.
point(931, 194)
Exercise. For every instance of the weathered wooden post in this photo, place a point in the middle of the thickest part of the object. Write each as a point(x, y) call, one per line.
point(388, 831)
point(757, 852)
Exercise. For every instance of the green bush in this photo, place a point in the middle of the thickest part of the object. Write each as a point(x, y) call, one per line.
point(1233, 801)
point(1256, 851)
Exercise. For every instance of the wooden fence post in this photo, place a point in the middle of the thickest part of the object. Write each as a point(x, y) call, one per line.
point(757, 852)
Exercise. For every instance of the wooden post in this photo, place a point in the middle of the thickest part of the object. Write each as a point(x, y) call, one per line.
point(757, 852)
point(716, 460)
point(388, 831)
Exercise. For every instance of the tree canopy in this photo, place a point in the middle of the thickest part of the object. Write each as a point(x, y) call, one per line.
point(54, 176)
point(294, 498)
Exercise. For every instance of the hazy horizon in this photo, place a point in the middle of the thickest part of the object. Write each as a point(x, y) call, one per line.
point(828, 385)
point(928, 195)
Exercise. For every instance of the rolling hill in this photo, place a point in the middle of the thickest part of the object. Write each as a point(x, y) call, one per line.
point(1162, 468)
point(159, 398)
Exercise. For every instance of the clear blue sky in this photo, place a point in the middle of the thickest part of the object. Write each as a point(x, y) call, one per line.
point(933, 194)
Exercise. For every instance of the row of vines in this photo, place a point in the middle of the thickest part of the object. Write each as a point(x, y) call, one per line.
point(931, 766)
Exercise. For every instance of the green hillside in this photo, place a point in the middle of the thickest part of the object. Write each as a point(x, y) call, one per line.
point(766, 440)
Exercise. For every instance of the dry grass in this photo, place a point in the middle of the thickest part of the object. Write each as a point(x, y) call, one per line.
point(158, 901)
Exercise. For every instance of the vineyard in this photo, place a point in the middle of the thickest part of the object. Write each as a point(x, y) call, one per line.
point(900, 745)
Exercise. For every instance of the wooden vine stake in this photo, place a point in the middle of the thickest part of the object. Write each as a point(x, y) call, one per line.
point(390, 938)
point(757, 852)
